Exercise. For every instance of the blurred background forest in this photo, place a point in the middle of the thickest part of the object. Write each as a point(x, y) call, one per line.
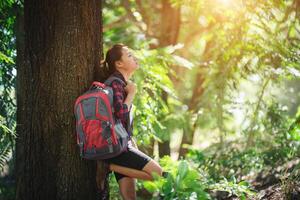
point(218, 94)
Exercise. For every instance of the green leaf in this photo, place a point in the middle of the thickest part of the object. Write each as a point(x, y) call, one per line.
point(295, 134)
point(6, 59)
point(150, 186)
point(182, 169)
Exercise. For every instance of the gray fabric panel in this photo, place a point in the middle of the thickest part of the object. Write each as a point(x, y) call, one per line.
point(101, 152)
point(104, 153)
point(93, 151)
point(120, 130)
point(91, 91)
point(110, 95)
point(102, 109)
point(89, 108)
point(110, 148)
point(106, 132)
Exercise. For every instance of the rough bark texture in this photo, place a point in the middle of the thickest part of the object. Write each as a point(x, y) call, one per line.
point(56, 63)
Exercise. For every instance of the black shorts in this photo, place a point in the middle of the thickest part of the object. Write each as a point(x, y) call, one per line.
point(132, 158)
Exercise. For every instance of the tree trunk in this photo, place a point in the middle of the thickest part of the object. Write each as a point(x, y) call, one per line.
point(170, 24)
point(55, 65)
point(169, 30)
point(188, 137)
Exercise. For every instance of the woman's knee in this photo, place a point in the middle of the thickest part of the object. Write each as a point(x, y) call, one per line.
point(153, 167)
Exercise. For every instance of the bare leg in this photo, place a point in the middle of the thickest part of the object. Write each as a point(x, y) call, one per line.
point(127, 188)
point(153, 167)
point(145, 174)
point(133, 173)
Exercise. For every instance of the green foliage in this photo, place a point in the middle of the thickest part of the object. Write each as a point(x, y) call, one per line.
point(241, 189)
point(7, 141)
point(8, 9)
point(233, 162)
point(156, 116)
point(293, 132)
point(114, 192)
point(7, 80)
point(6, 59)
point(7, 64)
point(182, 182)
point(187, 181)
point(246, 41)
point(229, 161)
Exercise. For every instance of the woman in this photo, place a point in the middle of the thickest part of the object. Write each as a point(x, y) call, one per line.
point(133, 163)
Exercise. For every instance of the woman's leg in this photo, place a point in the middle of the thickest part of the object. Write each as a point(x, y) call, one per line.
point(130, 172)
point(145, 174)
point(153, 167)
point(127, 188)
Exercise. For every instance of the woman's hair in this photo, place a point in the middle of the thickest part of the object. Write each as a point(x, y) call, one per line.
point(112, 55)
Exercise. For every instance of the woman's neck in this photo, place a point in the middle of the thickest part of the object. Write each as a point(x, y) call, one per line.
point(126, 74)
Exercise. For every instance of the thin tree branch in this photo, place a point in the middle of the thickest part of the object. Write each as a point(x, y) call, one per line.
point(260, 98)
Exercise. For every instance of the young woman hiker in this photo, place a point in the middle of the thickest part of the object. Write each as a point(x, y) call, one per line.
point(132, 163)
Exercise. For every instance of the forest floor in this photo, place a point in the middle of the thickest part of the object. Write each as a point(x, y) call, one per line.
point(272, 184)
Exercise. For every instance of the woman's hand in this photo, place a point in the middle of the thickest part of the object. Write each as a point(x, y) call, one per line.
point(130, 88)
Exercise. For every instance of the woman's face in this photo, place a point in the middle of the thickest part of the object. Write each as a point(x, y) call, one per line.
point(128, 61)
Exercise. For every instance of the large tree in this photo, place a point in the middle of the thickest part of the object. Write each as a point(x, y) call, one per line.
point(58, 55)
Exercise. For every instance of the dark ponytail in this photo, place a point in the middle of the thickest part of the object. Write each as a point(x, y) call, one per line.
point(112, 55)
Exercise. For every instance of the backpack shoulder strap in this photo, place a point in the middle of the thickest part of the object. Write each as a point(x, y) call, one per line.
point(111, 79)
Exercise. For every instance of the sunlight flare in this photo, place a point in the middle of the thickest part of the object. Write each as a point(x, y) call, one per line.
point(225, 2)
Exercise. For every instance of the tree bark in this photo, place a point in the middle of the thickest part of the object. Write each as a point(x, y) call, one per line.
point(170, 24)
point(55, 65)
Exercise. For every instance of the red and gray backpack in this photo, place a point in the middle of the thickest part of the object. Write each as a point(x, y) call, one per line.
point(99, 135)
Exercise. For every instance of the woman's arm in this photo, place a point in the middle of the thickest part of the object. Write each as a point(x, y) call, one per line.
point(121, 109)
point(121, 106)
